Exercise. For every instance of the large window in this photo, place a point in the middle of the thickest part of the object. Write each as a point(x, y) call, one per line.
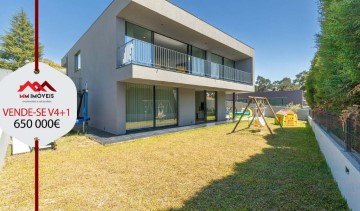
point(150, 106)
point(137, 32)
point(216, 59)
point(198, 52)
point(142, 52)
point(229, 63)
point(216, 67)
point(198, 61)
point(165, 106)
point(169, 43)
point(78, 61)
point(176, 59)
point(139, 106)
point(222, 60)
point(221, 66)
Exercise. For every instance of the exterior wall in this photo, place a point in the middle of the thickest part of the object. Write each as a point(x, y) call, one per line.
point(301, 113)
point(338, 161)
point(186, 107)
point(221, 108)
point(98, 47)
point(296, 96)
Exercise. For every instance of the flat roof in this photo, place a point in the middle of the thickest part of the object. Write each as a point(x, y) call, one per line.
point(209, 23)
point(171, 20)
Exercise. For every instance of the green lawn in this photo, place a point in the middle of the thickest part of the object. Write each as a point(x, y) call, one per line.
point(202, 169)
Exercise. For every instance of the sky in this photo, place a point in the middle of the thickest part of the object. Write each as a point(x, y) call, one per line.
point(282, 32)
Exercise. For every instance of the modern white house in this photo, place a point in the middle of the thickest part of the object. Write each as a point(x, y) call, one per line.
point(151, 64)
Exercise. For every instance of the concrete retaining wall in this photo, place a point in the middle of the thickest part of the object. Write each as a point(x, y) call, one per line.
point(302, 113)
point(4, 143)
point(344, 168)
point(4, 138)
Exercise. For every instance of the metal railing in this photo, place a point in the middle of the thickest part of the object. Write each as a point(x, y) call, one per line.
point(345, 133)
point(146, 54)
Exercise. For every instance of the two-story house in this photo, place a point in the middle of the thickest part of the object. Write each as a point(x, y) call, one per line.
point(151, 64)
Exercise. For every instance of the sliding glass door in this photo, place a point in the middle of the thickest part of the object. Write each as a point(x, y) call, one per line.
point(150, 106)
point(198, 61)
point(211, 106)
point(205, 106)
point(216, 65)
point(139, 106)
point(170, 53)
point(142, 50)
point(165, 106)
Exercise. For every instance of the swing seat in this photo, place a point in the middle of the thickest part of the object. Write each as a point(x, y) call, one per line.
point(259, 122)
point(160, 116)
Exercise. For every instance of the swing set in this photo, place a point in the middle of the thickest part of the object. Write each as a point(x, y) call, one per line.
point(260, 103)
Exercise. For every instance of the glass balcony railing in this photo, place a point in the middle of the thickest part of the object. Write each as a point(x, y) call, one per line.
point(146, 54)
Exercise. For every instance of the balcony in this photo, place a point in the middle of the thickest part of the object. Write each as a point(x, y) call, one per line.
point(146, 54)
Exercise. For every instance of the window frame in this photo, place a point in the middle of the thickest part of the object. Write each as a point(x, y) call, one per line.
point(77, 58)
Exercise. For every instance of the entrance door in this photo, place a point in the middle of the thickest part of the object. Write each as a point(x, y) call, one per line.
point(211, 106)
point(200, 106)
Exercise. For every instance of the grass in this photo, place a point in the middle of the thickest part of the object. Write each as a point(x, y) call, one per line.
point(197, 169)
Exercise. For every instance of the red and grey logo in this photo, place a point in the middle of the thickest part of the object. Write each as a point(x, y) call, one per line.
point(37, 87)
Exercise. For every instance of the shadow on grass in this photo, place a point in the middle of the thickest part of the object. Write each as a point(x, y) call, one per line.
point(291, 175)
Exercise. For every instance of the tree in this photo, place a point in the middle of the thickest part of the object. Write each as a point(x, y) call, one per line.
point(310, 83)
point(286, 84)
point(17, 45)
point(262, 84)
point(335, 70)
point(275, 85)
point(300, 79)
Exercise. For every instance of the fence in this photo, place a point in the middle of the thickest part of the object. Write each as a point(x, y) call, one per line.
point(346, 133)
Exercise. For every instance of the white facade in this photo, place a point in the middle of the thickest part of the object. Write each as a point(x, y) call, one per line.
point(107, 80)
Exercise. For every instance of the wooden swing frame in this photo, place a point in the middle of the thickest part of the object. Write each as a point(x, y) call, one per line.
point(258, 109)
